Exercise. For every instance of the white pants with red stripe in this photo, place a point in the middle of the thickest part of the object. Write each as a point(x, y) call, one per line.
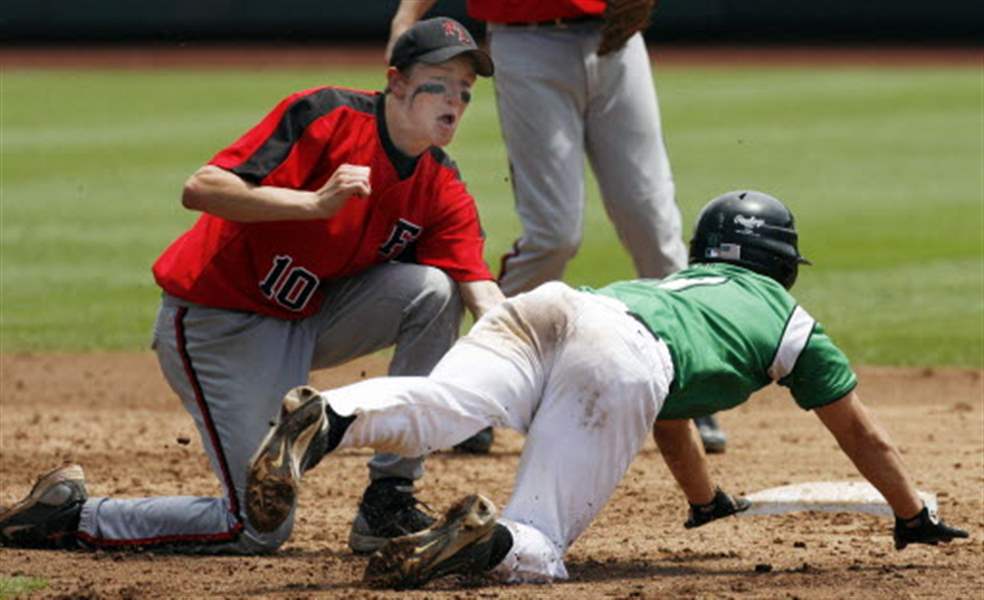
point(572, 370)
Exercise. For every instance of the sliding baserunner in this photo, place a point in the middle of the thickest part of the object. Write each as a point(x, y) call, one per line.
point(586, 374)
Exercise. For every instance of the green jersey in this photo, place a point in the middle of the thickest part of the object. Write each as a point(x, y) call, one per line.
point(731, 332)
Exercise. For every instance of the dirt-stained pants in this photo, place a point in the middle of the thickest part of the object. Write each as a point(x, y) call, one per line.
point(572, 370)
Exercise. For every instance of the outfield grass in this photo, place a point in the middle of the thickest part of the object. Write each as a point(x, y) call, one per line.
point(883, 168)
point(13, 587)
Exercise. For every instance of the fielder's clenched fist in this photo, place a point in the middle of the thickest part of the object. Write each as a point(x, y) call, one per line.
point(347, 181)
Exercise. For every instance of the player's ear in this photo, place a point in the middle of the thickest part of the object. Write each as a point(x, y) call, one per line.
point(396, 82)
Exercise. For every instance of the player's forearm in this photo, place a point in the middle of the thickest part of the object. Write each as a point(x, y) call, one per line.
point(223, 194)
point(871, 450)
point(681, 450)
point(881, 465)
point(409, 12)
point(480, 296)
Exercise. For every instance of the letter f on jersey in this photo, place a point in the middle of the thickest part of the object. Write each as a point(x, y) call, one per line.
point(403, 234)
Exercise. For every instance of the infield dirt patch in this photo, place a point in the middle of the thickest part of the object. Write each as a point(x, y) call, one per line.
point(114, 414)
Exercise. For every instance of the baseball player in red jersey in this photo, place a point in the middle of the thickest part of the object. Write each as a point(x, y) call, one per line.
point(333, 228)
point(561, 98)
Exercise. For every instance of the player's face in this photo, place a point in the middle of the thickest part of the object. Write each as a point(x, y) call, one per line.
point(437, 97)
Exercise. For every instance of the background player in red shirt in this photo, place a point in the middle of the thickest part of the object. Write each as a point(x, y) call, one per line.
point(563, 98)
point(334, 228)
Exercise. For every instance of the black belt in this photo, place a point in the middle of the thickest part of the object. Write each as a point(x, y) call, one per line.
point(643, 323)
point(557, 23)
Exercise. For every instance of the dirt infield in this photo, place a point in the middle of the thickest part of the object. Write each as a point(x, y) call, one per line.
point(114, 414)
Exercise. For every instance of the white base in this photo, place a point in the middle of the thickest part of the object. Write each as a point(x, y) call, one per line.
point(825, 496)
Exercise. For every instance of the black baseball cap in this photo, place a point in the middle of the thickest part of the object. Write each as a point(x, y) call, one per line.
point(437, 40)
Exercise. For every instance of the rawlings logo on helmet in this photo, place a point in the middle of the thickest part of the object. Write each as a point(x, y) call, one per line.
point(749, 223)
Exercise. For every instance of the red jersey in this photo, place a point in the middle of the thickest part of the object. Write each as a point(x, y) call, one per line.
point(533, 11)
point(419, 210)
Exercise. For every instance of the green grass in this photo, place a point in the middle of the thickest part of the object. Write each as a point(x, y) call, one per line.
point(11, 587)
point(883, 168)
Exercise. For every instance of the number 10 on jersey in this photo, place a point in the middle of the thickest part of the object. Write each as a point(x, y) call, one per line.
point(289, 286)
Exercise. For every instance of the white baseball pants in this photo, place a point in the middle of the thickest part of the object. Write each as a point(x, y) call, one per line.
point(572, 370)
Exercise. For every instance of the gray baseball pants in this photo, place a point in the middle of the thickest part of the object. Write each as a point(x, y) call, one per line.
point(559, 102)
point(231, 369)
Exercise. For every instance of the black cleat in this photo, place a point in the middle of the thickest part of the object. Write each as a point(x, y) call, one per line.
point(388, 510)
point(480, 443)
point(49, 516)
point(924, 528)
point(466, 541)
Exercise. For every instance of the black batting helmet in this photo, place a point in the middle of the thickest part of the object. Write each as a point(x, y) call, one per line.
point(749, 229)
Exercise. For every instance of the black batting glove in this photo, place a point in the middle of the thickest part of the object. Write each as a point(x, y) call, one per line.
point(924, 528)
point(722, 505)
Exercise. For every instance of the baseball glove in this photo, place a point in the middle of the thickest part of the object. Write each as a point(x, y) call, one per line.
point(924, 528)
point(623, 18)
point(722, 505)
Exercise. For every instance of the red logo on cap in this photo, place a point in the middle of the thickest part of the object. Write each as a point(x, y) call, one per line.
point(452, 29)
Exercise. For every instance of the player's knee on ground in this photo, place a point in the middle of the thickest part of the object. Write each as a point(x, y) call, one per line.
point(253, 542)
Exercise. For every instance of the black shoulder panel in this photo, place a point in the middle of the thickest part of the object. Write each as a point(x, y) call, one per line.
point(294, 121)
point(444, 160)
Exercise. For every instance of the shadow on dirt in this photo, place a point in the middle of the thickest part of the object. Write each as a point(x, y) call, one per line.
point(597, 571)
